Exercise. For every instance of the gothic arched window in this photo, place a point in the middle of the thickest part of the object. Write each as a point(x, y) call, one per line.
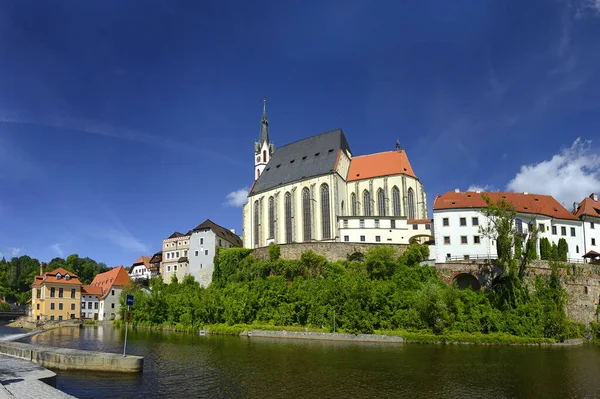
point(271, 217)
point(353, 204)
point(411, 204)
point(325, 216)
point(343, 214)
point(380, 203)
point(288, 217)
point(366, 203)
point(264, 156)
point(396, 200)
point(306, 215)
point(256, 219)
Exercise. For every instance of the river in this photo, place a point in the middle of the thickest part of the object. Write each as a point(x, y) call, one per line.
point(179, 365)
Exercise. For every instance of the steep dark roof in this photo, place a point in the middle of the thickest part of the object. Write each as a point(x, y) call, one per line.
point(175, 235)
point(310, 157)
point(220, 231)
point(157, 257)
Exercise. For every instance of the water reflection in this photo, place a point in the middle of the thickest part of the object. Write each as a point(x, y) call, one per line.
point(187, 365)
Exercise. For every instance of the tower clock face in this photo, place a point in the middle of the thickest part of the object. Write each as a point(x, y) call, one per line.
point(258, 158)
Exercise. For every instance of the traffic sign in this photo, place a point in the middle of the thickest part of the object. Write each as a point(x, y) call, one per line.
point(129, 300)
point(128, 316)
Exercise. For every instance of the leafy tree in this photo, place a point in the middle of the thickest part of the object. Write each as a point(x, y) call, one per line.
point(274, 252)
point(563, 250)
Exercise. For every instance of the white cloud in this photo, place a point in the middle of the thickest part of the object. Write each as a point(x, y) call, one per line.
point(236, 198)
point(15, 251)
point(57, 248)
point(477, 187)
point(568, 176)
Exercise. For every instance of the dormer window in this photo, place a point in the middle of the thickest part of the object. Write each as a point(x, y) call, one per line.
point(67, 277)
point(58, 276)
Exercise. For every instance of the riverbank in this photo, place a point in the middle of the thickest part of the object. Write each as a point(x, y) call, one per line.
point(24, 379)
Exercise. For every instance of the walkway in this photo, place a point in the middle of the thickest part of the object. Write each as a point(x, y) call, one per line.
point(23, 379)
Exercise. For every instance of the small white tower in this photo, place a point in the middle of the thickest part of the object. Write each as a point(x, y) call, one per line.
point(263, 149)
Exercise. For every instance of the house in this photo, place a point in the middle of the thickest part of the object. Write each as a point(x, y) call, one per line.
point(140, 270)
point(175, 256)
point(315, 189)
point(459, 221)
point(111, 284)
point(155, 264)
point(90, 301)
point(56, 295)
point(588, 211)
point(204, 241)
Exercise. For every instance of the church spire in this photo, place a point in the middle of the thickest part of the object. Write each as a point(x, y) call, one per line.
point(264, 125)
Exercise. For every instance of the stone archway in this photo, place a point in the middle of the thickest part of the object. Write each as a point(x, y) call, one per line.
point(466, 280)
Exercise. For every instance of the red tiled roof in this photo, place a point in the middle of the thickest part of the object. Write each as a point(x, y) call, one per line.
point(145, 260)
point(588, 207)
point(50, 277)
point(118, 276)
point(380, 164)
point(523, 203)
point(91, 290)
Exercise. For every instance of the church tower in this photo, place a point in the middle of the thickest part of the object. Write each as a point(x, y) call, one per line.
point(263, 149)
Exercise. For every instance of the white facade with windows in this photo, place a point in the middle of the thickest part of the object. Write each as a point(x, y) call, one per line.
point(90, 306)
point(175, 256)
point(588, 211)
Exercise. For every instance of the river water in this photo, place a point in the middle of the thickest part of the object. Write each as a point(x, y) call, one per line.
point(178, 365)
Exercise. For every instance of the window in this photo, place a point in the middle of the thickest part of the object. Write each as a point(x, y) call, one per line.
point(58, 276)
point(288, 217)
point(221, 243)
point(343, 214)
point(60, 306)
point(256, 221)
point(591, 225)
point(563, 231)
point(60, 318)
point(519, 226)
point(463, 240)
point(395, 201)
point(353, 205)
point(271, 217)
point(90, 305)
point(168, 255)
point(447, 256)
point(476, 240)
point(376, 223)
point(206, 252)
point(195, 253)
point(541, 227)
point(306, 215)
point(52, 317)
point(366, 203)
point(174, 268)
point(346, 238)
point(201, 241)
point(95, 305)
point(325, 214)
point(445, 222)
point(73, 292)
point(168, 268)
point(72, 306)
point(447, 240)
point(185, 253)
point(415, 226)
point(475, 221)
point(38, 306)
point(411, 203)
point(577, 249)
point(51, 305)
point(113, 292)
point(362, 238)
point(39, 293)
point(553, 230)
point(427, 226)
point(177, 254)
point(60, 292)
point(572, 231)
point(593, 241)
point(393, 223)
point(378, 238)
point(345, 223)
point(112, 305)
point(463, 221)
point(361, 223)
point(380, 202)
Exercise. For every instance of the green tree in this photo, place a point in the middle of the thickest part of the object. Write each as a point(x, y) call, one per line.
point(563, 250)
point(545, 249)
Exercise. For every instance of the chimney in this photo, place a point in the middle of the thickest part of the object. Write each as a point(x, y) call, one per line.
point(594, 196)
point(478, 191)
point(232, 230)
point(41, 268)
point(457, 190)
point(575, 206)
point(525, 192)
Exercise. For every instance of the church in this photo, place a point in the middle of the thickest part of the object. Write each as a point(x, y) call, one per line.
point(315, 189)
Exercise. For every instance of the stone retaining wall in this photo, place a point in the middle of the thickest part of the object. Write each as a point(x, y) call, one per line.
point(333, 251)
point(324, 336)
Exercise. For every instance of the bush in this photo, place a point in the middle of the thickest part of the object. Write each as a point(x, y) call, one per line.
point(274, 252)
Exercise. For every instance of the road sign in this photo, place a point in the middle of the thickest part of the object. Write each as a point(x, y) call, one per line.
point(129, 300)
point(128, 316)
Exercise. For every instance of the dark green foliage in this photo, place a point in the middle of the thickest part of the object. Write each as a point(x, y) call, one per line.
point(554, 252)
point(274, 252)
point(530, 249)
point(563, 250)
point(4, 306)
point(545, 249)
point(356, 257)
point(518, 247)
point(383, 293)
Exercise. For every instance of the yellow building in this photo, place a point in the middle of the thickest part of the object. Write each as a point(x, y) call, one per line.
point(56, 295)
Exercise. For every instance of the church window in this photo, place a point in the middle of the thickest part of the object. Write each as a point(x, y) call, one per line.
point(257, 173)
point(325, 214)
point(353, 204)
point(366, 203)
point(264, 156)
point(271, 217)
point(343, 214)
point(288, 217)
point(380, 202)
point(256, 223)
point(396, 200)
point(411, 204)
point(306, 214)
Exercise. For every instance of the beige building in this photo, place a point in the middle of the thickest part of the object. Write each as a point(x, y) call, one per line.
point(316, 190)
point(56, 295)
point(175, 256)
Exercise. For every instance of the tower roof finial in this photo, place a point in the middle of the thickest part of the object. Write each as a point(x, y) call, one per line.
point(264, 124)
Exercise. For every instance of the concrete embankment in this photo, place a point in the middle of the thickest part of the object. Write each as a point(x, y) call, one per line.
point(323, 336)
point(72, 359)
point(24, 379)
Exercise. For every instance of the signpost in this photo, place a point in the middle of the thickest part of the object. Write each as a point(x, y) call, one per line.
point(129, 303)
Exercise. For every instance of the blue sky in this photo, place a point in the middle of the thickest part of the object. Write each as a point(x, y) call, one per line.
point(122, 121)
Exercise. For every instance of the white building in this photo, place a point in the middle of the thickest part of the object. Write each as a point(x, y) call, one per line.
point(111, 284)
point(175, 256)
point(316, 190)
point(140, 270)
point(458, 217)
point(90, 302)
point(588, 211)
point(204, 241)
